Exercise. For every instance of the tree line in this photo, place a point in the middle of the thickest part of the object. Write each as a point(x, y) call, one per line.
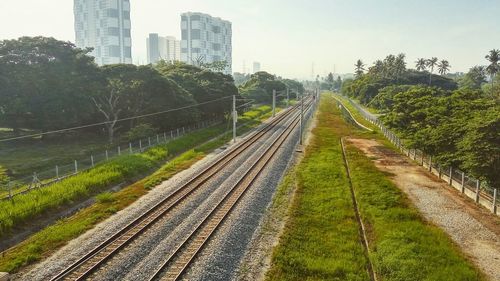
point(260, 85)
point(454, 118)
point(48, 84)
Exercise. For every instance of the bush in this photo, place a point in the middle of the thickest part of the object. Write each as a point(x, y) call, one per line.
point(4, 178)
point(105, 197)
point(141, 131)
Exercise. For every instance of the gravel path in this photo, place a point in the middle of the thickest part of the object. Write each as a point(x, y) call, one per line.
point(161, 237)
point(473, 228)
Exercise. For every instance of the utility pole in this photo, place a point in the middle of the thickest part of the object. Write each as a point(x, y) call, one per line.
point(287, 96)
point(235, 118)
point(274, 103)
point(301, 117)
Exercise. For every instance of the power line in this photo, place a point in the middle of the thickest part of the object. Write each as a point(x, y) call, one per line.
point(107, 122)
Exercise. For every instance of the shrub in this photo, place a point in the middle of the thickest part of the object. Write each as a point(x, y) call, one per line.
point(141, 131)
point(105, 197)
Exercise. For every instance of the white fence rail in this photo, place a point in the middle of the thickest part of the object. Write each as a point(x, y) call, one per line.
point(47, 177)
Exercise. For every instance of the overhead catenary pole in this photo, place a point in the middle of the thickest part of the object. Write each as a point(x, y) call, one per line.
point(235, 118)
point(301, 117)
point(274, 103)
point(287, 97)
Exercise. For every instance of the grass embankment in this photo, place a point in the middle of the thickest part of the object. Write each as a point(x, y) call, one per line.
point(321, 241)
point(46, 241)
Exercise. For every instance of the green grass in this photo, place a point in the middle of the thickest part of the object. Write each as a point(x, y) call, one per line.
point(404, 246)
point(321, 240)
point(48, 240)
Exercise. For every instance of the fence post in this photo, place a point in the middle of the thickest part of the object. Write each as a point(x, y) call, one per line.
point(149, 141)
point(463, 182)
point(76, 167)
point(9, 186)
point(494, 209)
point(439, 171)
point(451, 175)
point(130, 147)
point(119, 150)
point(107, 156)
point(140, 145)
point(477, 190)
point(57, 172)
point(92, 160)
point(183, 131)
point(164, 137)
point(430, 163)
point(178, 132)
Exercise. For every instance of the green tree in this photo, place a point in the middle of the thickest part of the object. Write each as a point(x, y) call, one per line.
point(133, 91)
point(216, 66)
point(45, 83)
point(474, 78)
point(480, 151)
point(443, 67)
point(359, 68)
point(492, 69)
point(204, 85)
point(431, 63)
point(421, 64)
point(399, 66)
point(260, 87)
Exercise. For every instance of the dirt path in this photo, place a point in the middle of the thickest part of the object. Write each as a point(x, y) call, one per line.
point(473, 228)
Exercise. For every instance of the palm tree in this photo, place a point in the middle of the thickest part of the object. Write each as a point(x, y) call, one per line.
point(493, 57)
point(389, 66)
point(377, 69)
point(399, 65)
point(360, 68)
point(421, 64)
point(443, 67)
point(431, 63)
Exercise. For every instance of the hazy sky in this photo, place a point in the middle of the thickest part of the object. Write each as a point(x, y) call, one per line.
point(287, 36)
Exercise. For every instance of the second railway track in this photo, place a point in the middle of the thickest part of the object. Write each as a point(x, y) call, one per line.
point(176, 264)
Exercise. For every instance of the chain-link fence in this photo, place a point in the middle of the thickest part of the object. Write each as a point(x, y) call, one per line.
point(40, 179)
point(478, 190)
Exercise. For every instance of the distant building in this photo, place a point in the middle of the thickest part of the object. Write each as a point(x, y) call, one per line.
point(256, 67)
point(206, 39)
point(163, 48)
point(105, 26)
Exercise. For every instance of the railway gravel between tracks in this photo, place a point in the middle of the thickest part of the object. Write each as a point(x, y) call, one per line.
point(171, 231)
point(92, 238)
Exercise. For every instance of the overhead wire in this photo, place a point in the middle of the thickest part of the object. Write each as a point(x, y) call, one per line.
point(107, 122)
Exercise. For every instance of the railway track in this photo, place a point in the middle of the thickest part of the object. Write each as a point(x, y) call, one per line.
point(94, 259)
point(176, 264)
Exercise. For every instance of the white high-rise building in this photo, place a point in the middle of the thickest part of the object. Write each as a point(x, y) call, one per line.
point(163, 48)
point(105, 26)
point(206, 39)
point(256, 67)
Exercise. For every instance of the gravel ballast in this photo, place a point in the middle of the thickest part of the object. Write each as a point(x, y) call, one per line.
point(145, 253)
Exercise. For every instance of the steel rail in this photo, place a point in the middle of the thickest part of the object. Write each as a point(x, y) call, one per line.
point(176, 264)
point(93, 259)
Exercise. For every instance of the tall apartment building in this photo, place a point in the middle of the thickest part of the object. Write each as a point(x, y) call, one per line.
point(105, 26)
point(256, 67)
point(163, 48)
point(206, 39)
